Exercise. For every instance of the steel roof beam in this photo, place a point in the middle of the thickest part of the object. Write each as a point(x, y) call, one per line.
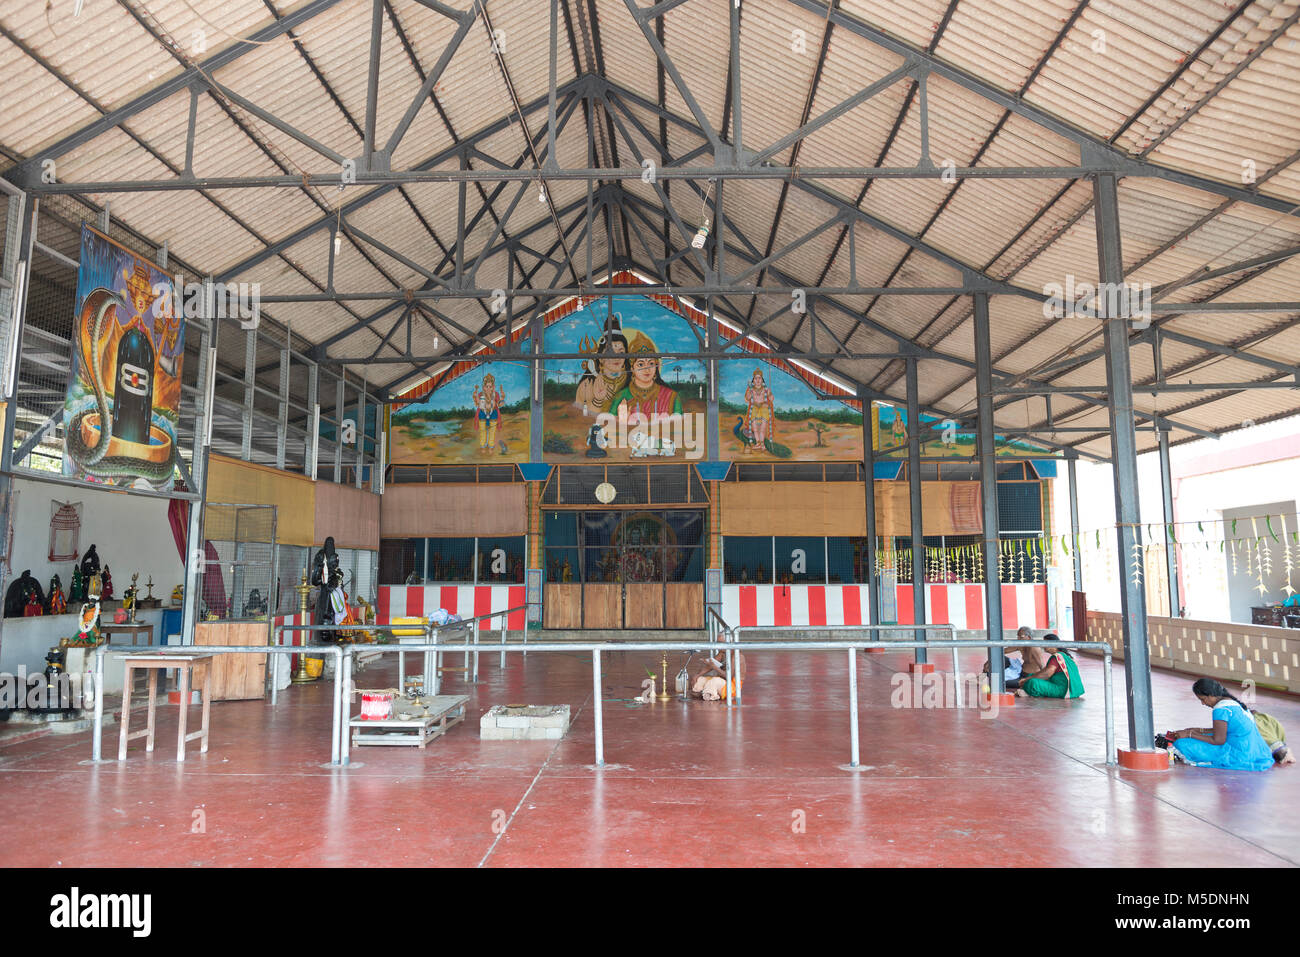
point(1095, 153)
point(177, 84)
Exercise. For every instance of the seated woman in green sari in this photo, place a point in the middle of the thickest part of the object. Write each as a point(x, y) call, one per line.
point(1059, 678)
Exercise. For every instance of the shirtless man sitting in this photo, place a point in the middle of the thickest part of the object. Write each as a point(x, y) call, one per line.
point(710, 681)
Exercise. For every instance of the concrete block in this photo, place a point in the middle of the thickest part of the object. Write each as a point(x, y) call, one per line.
point(513, 721)
point(554, 732)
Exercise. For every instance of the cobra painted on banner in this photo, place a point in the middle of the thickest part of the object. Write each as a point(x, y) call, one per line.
point(121, 411)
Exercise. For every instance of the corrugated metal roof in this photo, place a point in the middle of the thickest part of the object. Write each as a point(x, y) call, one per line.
point(1201, 86)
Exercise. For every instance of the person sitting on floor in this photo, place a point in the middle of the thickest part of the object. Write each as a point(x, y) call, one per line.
point(1058, 678)
point(710, 682)
point(1233, 744)
point(1274, 735)
point(1019, 661)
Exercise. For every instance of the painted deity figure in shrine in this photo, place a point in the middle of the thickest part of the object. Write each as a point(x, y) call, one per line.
point(760, 412)
point(646, 392)
point(487, 401)
point(602, 379)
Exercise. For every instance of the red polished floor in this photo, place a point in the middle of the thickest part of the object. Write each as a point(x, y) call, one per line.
point(762, 784)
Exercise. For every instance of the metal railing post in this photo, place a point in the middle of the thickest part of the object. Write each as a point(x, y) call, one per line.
point(345, 713)
point(600, 716)
point(96, 749)
point(335, 753)
point(853, 707)
point(1108, 691)
point(476, 651)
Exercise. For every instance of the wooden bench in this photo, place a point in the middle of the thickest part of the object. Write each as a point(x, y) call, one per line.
point(187, 666)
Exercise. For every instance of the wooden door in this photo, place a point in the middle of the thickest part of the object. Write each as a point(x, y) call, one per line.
point(684, 605)
point(602, 606)
point(644, 605)
point(562, 605)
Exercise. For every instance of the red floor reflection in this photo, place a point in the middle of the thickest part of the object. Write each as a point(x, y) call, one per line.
point(763, 782)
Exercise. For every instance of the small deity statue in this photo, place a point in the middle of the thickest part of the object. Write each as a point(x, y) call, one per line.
point(90, 562)
point(77, 588)
point(107, 577)
point(58, 605)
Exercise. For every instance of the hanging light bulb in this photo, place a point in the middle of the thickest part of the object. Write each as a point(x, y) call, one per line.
point(435, 341)
point(701, 235)
point(338, 243)
point(541, 192)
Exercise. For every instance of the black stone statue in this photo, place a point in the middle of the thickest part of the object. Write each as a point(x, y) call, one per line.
point(325, 575)
point(90, 563)
point(23, 587)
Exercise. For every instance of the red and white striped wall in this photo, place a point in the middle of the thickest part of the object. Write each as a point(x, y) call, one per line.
point(752, 605)
point(963, 605)
point(820, 605)
point(467, 601)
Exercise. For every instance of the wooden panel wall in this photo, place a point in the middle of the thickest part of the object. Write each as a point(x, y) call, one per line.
point(644, 605)
point(602, 606)
point(235, 677)
point(423, 511)
point(294, 496)
point(839, 508)
point(350, 514)
point(684, 605)
point(562, 605)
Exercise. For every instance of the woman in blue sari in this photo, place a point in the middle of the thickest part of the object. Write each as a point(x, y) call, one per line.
point(1233, 744)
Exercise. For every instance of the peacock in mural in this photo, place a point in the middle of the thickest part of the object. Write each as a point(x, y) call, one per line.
point(773, 448)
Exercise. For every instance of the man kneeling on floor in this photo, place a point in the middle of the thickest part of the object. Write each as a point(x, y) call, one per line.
point(710, 682)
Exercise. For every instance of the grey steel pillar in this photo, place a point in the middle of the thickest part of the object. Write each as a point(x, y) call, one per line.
point(537, 336)
point(250, 380)
point(914, 497)
point(711, 374)
point(1074, 523)
point(869, 464)
point(20, 236)
point(361, 432)
point(988, 490)
point(1123, 438)
point(1167, 497)
point(282, 416)
point(199, 448)
point(340, 410)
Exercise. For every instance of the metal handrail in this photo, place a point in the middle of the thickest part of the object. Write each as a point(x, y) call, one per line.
point(935, 626)
point(851, 646)
point(340, 744)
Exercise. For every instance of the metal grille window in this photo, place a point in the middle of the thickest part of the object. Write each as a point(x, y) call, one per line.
point(848, 561)
point(800, 561)
point(238, 574)
point(747, 560)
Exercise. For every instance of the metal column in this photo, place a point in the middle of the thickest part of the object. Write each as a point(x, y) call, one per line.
point(20, 235)
point(250, 379)
point(1074, 523)
point(361, 432)
point(869, 484)
point(1123, 437)
point(914, 497)
point(1171, 554)
point(988, 491)
point(204, 411)
point(340, 410)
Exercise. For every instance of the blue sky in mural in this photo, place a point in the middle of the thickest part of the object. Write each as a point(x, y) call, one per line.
point(789, 392)
point(512, 379)
point(669, 331)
